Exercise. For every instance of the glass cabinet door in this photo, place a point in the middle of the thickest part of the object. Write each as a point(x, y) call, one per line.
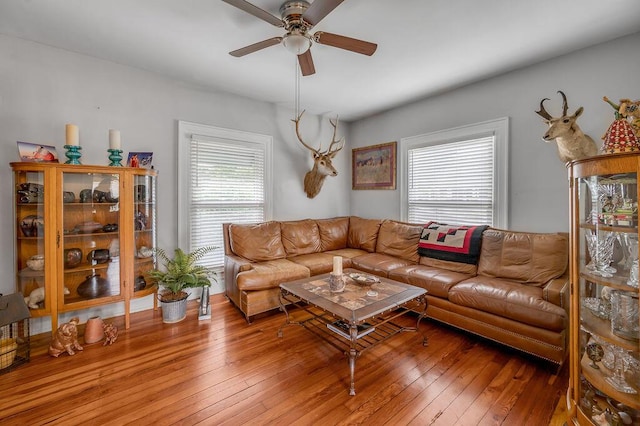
point(144, 193)
point(90, 227)
point(30, 247)
point(608, 332)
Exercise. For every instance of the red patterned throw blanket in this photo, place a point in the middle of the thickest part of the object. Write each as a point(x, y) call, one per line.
point(451, 242)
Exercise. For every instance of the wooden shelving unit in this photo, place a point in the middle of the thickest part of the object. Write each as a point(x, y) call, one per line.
point(61, 208)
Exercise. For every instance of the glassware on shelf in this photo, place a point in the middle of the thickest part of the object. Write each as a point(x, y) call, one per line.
point(600, 247)
point(617, 380)
point(624, 314)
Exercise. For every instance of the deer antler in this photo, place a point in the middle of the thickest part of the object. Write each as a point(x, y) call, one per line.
point(543, 112)
point(329, 151)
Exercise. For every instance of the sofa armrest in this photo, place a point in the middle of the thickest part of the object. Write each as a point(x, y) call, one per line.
point(238, 263)
point(233, 265)
point(557, 292)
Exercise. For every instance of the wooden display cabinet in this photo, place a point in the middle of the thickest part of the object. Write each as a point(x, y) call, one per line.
point(85, 236)
point(604, 387)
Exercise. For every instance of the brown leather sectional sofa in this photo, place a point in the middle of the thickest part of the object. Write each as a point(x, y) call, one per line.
point(517, 294)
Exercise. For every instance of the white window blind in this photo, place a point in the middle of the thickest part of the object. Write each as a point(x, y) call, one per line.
point(224, 175)
point(452, 182)
point(227, 185)
point(458, 175)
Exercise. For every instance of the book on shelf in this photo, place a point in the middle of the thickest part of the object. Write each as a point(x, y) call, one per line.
point(342, 328)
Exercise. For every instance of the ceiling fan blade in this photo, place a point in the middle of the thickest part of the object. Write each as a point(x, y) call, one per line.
point(347, 43)
point(256, 46)
point(256, 11)
point(319, 9)
point(306, 63)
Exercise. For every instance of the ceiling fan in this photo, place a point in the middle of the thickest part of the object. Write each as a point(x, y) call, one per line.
point(298, 18)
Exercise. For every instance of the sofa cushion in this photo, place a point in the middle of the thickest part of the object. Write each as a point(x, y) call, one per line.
point(435, 280)
point(333, 233)
point(363, 233)
point(257, 242)
point(347, 254)
point(300, 237)
point(525, 257)
point(378, 263)
point(463, 268)
point(509, 299)
point(399, 239)
point(270, 274)
point(318, 263)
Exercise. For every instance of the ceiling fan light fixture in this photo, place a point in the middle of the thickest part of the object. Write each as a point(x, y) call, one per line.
point(296, 43)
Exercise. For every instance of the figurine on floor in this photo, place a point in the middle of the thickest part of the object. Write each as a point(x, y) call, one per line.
point(110, 334)
point(65, 339)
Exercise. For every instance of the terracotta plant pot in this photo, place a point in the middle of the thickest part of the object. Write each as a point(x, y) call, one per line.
point(93, 330)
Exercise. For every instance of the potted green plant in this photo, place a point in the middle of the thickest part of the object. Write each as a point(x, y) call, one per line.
point(180, 273)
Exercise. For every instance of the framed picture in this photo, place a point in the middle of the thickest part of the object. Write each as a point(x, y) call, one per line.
point(374, 167)
point(34, 152)
point(140, 159)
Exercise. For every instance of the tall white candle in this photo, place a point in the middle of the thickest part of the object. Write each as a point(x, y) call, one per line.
point(337, 265)
point(72, 134)
point(114, 139)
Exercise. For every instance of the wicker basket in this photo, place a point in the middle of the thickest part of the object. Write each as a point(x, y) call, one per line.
point(8, 350)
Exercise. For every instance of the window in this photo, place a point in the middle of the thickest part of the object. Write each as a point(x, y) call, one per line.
point(224, 176)
point(457, 176)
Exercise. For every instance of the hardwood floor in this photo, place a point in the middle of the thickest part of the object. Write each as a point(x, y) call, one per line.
point(224, 371)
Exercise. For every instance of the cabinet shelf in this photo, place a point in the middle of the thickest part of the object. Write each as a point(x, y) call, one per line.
point(62, 225)
point(618, 282)
point(610, 228)
point(602, 328)
point(597, 378)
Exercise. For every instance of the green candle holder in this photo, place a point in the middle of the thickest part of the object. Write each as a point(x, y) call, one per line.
point(73, 154)
point(115, 157)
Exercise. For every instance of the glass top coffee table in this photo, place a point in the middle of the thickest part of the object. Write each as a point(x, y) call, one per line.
point(357, 318)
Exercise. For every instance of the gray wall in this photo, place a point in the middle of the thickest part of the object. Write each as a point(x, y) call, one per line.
point(42, 88)
point(538, 186)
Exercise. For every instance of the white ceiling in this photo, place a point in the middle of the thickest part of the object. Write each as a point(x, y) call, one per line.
point(424, 46)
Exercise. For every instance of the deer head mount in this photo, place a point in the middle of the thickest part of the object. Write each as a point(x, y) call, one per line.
point(572, 143)
point(322, 166)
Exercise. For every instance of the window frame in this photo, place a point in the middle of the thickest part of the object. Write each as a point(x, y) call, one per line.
point(186, 130)
point(498, 128)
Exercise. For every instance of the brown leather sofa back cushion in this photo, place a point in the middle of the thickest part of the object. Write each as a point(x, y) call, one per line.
point(399, 239)
point(333, 233)
point(363, 233)
point(257, 242)
point(300, 237)
point(523, 257)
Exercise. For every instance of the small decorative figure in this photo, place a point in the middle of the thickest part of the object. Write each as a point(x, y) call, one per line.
point(110, 334)
point(628, 109)
point(37, 296)
point(65, 339)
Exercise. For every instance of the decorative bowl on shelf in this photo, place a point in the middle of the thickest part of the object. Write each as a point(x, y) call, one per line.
point(94, 286)
point(88, 227)
point(32, 226)
point(68, 196)
point(72, 257)
point(36, 262)
point(110, 227)
point(98, 256)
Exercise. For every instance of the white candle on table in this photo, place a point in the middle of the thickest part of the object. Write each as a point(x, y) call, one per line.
point(337, 265)
point(72, 134)
point(114, 139)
